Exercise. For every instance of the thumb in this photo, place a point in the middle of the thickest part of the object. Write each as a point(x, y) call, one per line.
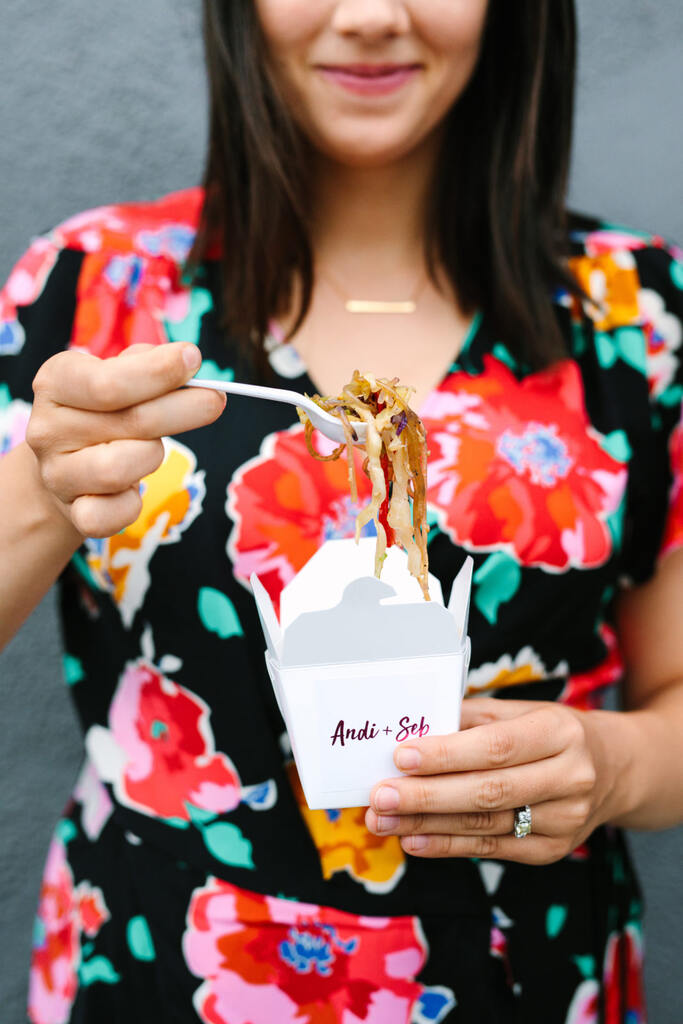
point(133, 350)
point(483, 710)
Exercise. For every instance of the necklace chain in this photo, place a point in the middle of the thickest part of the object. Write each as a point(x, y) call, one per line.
point(352, 305)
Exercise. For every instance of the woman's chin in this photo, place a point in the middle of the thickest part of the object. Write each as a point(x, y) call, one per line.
point(366, 149)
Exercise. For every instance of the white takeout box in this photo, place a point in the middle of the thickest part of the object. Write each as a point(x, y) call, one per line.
point(360, 664)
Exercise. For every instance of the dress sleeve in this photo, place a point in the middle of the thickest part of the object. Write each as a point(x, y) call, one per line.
point(37, 308)
point(658, 518)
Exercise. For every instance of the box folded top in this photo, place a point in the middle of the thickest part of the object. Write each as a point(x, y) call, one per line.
point(332, 612)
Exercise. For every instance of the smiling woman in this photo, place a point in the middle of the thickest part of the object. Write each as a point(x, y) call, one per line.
point(330, 67)
point(384, 189)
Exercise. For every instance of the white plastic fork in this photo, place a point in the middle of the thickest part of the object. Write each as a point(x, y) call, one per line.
point(321, 420)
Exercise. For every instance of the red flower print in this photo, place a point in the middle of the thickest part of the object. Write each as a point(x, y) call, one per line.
point(266, 959)
point(584, 690)
point(285, 504)
point(163, 228)
point(119, 301)
point(516, 465)
point(159, 750)
point(64, 913)
point(623, 977)
point(131, 269)
point(673, 536)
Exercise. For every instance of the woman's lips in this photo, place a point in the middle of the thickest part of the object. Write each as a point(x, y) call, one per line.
point(369, 79)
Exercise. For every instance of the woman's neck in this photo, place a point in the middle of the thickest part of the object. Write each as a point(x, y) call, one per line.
point(369, 222)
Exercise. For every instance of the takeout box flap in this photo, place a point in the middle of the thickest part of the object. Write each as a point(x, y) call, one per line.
point(333, 612)
point(459, 601)
point(365, 626)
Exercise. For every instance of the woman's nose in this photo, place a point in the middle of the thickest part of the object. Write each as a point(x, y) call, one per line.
point(371, 19)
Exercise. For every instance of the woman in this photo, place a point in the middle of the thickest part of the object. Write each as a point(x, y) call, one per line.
point(392, 152)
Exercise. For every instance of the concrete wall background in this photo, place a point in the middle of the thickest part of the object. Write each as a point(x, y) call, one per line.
point(105, 102)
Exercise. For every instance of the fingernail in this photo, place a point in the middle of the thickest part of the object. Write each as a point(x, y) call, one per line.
point(407, 759)
point(387, 822)
point(415, 843)
point(192, 357)
point(386, 798)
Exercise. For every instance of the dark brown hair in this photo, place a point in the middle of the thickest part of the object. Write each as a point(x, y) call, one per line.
point(497, 223)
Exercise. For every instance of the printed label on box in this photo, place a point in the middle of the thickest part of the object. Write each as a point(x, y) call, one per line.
point(381, 713)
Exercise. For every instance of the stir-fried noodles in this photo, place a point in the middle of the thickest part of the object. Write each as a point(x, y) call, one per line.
point(395, 464)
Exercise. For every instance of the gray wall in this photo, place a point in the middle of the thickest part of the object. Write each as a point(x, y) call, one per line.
point(105, 102)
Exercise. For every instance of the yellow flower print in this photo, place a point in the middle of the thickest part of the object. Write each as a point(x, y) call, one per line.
point(610, 280)
point(172, 499)
point(344, 844)
point(525, 667)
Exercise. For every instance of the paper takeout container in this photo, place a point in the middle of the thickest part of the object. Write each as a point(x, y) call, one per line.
point(360, 664)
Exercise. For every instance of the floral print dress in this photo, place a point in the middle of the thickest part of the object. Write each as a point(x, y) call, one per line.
point(187, 879)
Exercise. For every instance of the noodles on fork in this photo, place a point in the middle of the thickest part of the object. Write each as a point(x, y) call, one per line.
point(395, 464)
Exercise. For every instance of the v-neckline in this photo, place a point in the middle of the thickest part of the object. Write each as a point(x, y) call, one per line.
point(275, 342)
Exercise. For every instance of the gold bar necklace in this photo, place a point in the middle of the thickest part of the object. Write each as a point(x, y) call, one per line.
point(379, 306)
point(402, 306)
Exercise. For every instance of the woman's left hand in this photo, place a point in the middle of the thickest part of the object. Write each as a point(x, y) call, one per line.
point(459, 793)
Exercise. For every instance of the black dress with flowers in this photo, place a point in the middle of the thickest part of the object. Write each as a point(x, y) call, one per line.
point(187, 879)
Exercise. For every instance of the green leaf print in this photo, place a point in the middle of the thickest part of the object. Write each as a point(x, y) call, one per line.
point(586, 965)
point(66, 830)
point(98, 969)
point(198, 815)
point(72, 669)
point(218, 614)
point(139, 939)
point(627, 343)
point(433, 524)
point(496, 581)
point(617, 445)
point(676, 270)
point(673, 396)
point(555, 918)
point(227, 844)
point(501, 353)
point(210, 370)
point(187, 329)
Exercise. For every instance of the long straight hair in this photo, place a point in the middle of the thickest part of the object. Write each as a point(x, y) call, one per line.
point(497, 220)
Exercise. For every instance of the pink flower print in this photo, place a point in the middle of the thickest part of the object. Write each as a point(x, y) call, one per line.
point(23, 287)
point(65, 913)
point(265, 959)
point(159, 751)
point(96, 804)
point(14, 417)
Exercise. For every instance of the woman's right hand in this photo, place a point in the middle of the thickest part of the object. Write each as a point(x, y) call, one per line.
point(97, 424)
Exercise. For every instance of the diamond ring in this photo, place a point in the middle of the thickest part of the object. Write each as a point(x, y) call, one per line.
point(522, 822)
